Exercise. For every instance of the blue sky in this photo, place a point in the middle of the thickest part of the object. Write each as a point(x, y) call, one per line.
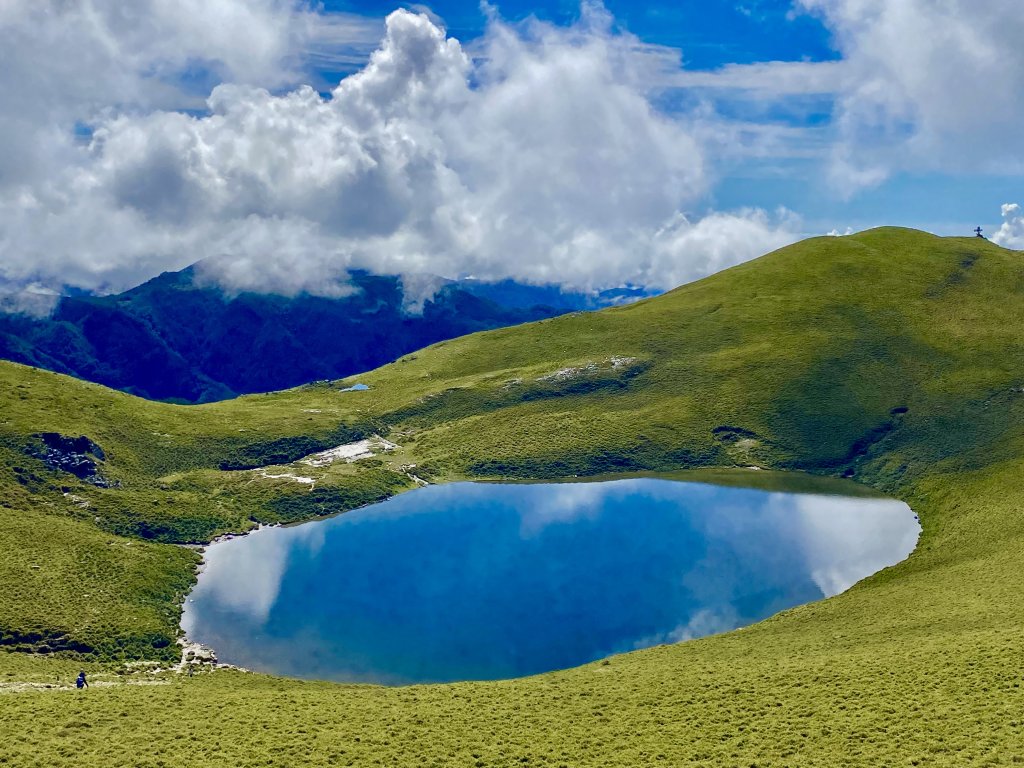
point(710, 34)
point(715, 34)
point(591, 145)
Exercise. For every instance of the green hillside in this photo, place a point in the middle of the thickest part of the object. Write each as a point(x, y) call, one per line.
point(893, 357)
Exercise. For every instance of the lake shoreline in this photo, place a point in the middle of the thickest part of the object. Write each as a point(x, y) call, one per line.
point(769, 488)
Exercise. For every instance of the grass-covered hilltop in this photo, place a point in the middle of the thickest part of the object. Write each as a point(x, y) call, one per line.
point(892, 356)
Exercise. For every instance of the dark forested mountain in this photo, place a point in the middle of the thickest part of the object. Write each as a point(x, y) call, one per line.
point(175, 339)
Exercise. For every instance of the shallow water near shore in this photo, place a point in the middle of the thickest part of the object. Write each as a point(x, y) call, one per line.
point(480, 581)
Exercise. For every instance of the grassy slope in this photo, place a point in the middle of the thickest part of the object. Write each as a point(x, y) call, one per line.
point(809, 356)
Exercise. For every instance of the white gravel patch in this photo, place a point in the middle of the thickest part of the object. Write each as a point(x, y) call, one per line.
point(363, 449)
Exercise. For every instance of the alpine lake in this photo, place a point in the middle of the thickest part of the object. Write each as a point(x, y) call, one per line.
point(484, 581)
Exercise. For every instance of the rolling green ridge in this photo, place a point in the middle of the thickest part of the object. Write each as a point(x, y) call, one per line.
point(892, 356)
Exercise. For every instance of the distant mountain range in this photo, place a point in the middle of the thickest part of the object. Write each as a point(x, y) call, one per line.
point(175, 338)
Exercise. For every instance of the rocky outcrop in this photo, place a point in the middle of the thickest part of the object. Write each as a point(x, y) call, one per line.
point(195, 654)
point(78, 456)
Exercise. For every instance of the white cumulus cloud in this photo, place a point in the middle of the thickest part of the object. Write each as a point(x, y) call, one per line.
point(539, 158)
point(67, 62)
point(1011, 233)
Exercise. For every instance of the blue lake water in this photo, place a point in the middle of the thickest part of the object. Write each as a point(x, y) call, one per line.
point(476, 581)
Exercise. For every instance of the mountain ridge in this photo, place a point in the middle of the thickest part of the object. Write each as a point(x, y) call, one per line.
point(178, 338)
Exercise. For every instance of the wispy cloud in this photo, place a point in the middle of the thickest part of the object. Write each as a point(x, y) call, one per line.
point(767, 81)
point(342, 42)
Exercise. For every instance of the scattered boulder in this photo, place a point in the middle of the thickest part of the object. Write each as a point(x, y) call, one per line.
point(197, 657)
point(197, 654)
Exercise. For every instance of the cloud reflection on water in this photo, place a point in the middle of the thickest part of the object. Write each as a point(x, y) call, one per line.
point(485, 580)
point(246, 580)
point(843, 540)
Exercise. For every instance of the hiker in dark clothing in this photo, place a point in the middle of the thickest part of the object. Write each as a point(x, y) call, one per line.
point(81, 682)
